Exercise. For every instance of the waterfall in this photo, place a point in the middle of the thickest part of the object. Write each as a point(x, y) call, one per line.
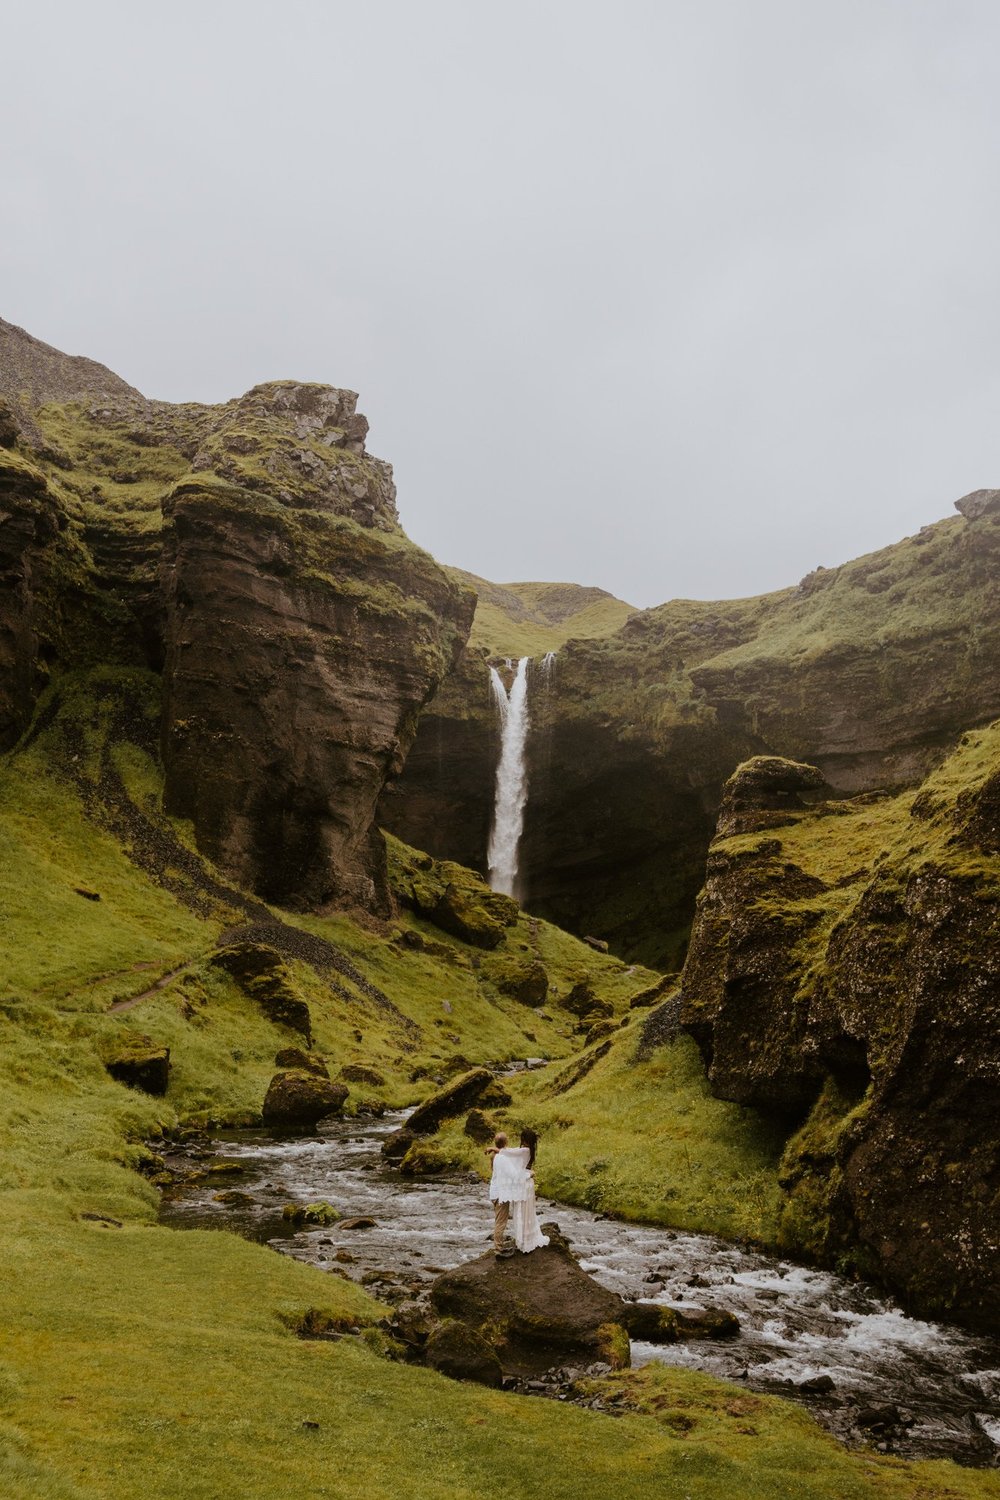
point(512, 777)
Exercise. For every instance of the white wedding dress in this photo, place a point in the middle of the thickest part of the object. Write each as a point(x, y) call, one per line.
point(514, 1184)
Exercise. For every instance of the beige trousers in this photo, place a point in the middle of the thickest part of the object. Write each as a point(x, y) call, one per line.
point(501, 1218)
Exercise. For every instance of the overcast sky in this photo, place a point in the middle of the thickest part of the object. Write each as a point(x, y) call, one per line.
point(678, 298)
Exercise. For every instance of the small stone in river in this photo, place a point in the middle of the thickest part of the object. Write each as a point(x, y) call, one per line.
point(877, 1418)
point(361, 1222)
point(817, 1385)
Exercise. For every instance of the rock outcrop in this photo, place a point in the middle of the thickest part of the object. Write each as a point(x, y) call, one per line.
point(844, 972)
point(139, 1063)
point(29, 523)
point(252, 554)
point(454, 1099)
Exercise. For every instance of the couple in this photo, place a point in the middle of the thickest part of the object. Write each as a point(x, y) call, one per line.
point(512, 1193)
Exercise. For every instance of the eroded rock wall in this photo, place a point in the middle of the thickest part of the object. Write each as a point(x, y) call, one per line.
point(844, 973)
point(252, 554)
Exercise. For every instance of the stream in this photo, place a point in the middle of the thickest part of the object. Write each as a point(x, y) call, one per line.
point(798, 1324)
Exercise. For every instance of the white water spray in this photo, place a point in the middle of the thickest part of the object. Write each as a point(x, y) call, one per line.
point(512, 778)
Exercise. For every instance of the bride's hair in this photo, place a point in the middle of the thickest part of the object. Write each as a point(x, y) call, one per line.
point(529, 1139)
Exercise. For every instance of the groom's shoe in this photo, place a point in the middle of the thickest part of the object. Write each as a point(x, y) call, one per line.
point(505, 1253)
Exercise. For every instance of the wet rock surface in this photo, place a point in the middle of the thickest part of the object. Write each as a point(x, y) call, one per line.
point(797, 1325)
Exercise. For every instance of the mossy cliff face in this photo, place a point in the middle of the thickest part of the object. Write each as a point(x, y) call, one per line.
point(252, 554)
point(844, 974)
point(868, 671)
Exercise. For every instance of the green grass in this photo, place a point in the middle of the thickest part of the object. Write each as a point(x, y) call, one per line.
point(528, 619)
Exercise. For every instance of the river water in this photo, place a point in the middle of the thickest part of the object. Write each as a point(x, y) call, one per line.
point(797, 1323)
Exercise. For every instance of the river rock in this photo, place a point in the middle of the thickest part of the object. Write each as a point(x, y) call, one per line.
point(302, 1099)
point(396, 1145)
point(453, 1099)
point(539, 1302)
point(461, 1352)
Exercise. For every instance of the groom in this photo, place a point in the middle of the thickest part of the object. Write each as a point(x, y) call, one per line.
point(501, 1209)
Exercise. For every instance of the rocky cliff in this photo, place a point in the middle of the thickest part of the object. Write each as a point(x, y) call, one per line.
point(844, 974)
point(252, 554)
point(868, 671)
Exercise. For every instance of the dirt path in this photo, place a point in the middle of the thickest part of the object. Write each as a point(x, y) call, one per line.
point(154, 989)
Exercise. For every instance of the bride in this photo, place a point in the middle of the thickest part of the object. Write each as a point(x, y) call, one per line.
point(514, 1184)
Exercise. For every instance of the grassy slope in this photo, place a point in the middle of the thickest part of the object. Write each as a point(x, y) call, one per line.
point(143, 1358)
point(528, 619)
point(644, 1139)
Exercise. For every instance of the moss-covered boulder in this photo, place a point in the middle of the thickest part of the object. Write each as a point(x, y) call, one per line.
point(263, 976)
point(478, 1127)
point(396, 1145)
point(360, 1073)
point(543, 1304)
point(452, 897)
point(454, 1099)
point(460, 1351)
point(302, 1062)
point(318, 1215)
point(139, 1062)
point(301, 1099)
point(424, 1159)
point(523, 979)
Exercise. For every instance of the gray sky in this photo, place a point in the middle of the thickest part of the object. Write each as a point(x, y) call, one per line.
point(678, 298)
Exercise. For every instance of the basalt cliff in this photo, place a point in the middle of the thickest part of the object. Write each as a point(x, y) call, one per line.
point(251, 555)
point(869, 671)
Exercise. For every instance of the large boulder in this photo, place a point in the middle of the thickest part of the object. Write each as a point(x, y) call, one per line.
point(454, 1099)
point(523, 979)
point(460, 1351)
point(301, 1099)
point(539, 1307)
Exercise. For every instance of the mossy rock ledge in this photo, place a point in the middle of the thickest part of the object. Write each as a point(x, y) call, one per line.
point(140, 1064)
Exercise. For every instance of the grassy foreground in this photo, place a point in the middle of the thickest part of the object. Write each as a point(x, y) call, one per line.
point(137, 1360)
